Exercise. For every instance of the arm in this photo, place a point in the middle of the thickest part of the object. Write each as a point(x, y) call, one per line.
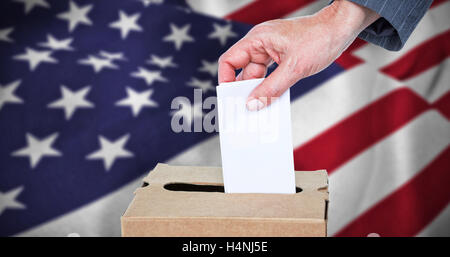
point(399, 18)
point(301, 47)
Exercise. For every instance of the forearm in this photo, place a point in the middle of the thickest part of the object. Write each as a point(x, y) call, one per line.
point(351, 16)
point(346, 19)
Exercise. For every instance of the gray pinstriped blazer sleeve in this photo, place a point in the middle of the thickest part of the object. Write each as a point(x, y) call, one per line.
point(399, 19)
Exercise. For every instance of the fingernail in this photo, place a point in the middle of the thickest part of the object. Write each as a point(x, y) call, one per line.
point(254, 105)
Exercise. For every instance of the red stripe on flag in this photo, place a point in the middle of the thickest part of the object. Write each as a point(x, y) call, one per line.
point(359, 131)
point(411, 207)
point(347, 60)
point(443, 105)
point(415, 61)
point(264, 10)
point(437, 2)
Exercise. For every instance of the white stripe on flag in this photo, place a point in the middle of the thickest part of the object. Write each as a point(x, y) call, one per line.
point(336, 99)
point(217, 8)
point(309, 9)
point(377, 172)
point(433, 83)
point(439, 226)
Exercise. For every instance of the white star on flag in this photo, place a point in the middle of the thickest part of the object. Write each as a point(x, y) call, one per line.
point(7, 94)
point(36, 149)
point(162, 62)
point(4, 34)
point(209, 67)
point(98, 63)
point(113, 56)
point(204, 85)
point(8, 200)
point(146, 3)
point(55, 44)
point(71, 100)
point(136, 101)
point(30, 4)
point(179, 35)
point(126, 24)
point(34, 57)
point(76, 15)
point(148, 75)
point(110, 151)
point(222, 33)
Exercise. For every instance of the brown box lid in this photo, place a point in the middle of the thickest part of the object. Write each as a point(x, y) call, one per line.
point(157, 211)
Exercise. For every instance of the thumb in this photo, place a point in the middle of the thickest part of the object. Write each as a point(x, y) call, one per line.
point(280, 80)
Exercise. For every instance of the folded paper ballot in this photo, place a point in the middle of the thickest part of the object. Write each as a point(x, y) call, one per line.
point(256, 147)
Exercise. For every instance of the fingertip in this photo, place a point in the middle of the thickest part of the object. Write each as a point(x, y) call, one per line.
point(226, 73)
point(233, 59)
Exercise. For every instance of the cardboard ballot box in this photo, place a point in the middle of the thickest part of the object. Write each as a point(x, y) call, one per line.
point(189, 201)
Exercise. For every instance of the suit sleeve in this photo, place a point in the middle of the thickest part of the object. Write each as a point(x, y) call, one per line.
point(398, 20)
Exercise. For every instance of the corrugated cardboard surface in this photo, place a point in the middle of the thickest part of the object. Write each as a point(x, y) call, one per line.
point(156, 211)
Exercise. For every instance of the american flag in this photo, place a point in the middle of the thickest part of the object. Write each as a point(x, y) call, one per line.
point(85, 93)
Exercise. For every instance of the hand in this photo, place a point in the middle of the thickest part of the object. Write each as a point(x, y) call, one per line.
point(301, 47)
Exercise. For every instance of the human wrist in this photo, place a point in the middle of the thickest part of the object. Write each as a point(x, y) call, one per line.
point(347, 18)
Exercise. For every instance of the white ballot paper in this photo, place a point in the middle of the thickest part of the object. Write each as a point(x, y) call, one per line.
point(256, 147)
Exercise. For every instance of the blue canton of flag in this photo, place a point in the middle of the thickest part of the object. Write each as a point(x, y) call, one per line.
point(85, 96)
point(85, 93)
